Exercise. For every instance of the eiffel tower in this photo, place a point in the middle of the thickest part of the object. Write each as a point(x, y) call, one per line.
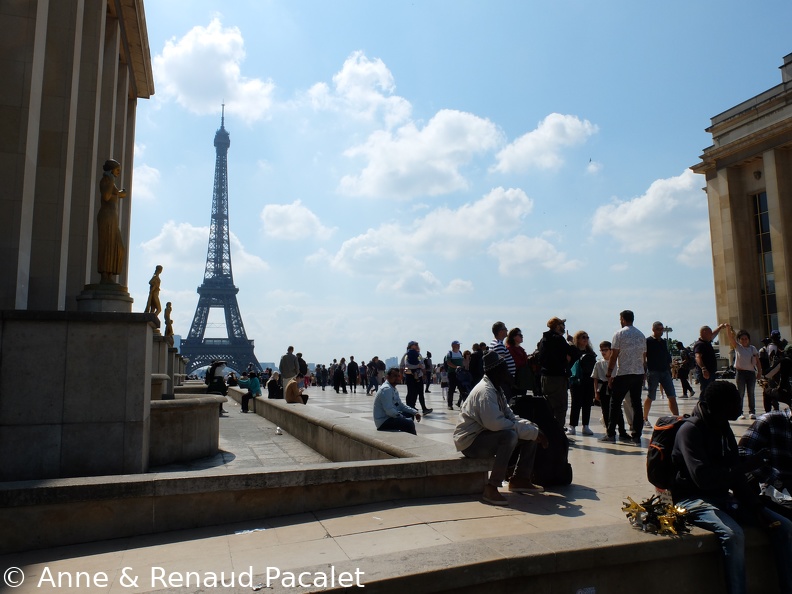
point(218, 288)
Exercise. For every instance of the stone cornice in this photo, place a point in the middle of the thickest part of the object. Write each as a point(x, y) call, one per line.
point(135, 45)
point(748, 145)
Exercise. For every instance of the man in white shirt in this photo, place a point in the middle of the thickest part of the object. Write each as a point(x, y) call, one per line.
point(626, 370)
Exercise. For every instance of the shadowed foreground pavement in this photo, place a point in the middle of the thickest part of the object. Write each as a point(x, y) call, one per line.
point(379, 540)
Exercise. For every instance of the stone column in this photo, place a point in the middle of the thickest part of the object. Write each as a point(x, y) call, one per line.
point(777, 180)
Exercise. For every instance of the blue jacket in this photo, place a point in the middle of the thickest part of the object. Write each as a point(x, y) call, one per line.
point(387, 404)
point(253, 384)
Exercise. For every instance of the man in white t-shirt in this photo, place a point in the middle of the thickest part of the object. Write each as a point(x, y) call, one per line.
point(626, 369)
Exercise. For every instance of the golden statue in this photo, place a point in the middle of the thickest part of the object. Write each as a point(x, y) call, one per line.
point(112, 252)
point(153, 304)
point(168, 323)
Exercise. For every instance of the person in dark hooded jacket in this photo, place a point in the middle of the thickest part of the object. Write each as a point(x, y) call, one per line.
point(711, 484)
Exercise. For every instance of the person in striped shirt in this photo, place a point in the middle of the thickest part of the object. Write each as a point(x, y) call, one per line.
point(500, 331)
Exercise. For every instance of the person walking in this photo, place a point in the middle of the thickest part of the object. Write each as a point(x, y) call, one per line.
point(658, 372)
point(412, 363)
point(454, 360)
point(289, 366)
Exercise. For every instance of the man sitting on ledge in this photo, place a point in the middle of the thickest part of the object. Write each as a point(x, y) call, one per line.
point(390, 413)
point(488, 428)
point(294, 392)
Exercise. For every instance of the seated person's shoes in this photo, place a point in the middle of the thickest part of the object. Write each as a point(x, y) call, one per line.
point(493, 496)
point(523, 485)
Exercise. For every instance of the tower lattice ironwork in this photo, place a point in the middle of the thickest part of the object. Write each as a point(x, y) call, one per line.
point(217, 289)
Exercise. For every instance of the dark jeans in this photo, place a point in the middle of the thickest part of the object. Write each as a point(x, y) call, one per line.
point(401, 423)
point(710, 514)
point(624, 385)
point(453, 384)
point(683, 376)
point(554, 388)
point(703, 383)
point(605, 400)
point(582, 397)
point(500, 445)
point(415, 391)
point(245, 399)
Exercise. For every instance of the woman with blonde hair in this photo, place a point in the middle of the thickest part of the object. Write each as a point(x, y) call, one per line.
point(581, 384)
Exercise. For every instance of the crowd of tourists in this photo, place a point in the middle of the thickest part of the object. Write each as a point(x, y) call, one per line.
point(518, 409)
point(722, 485)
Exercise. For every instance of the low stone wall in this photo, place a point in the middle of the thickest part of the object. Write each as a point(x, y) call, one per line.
point(591, 560)
point(190, 387)
point(372, 466)
point(69, 511)
point(184, 429)
point(341, 438)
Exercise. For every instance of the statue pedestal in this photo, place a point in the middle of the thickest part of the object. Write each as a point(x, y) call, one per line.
point(93, 416)
point(159, 369)
point(105, 297)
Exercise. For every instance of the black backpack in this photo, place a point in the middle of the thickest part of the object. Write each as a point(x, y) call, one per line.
point(551, 465)
point(659, 469)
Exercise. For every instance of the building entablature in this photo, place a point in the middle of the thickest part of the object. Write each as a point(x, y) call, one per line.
point(135, 44)
point(743, 131)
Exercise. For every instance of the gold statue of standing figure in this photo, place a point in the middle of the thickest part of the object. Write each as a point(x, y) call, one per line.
point(112, 252)
point(153, 304)
point(168, 323)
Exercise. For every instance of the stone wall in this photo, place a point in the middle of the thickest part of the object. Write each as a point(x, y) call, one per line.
point(75, 392)
point(184, 429)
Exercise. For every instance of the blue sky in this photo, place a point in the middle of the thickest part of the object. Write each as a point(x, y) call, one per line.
point(416, 171)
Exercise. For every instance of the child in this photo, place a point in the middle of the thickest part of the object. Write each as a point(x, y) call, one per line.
point(444, 381)
point(602, 394)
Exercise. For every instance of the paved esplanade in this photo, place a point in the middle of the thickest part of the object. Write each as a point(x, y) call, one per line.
point(604, 475)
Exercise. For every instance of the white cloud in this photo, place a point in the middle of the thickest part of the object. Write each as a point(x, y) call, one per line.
point(414, 162)
point(181, 248)
point(458, 286)
point(670, 214)
point(541, 148)
point(593, 167)
point(522, 255)
point(363, 88)
point(146, 179)
point(698, 252)
point(203, 69)
point(292, 222)
point(499, 212)
point(381, 251)
point(412, 283)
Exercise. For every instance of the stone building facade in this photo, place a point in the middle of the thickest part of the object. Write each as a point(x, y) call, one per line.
point(75, 382)
point(748, 171)
point(72, 73)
